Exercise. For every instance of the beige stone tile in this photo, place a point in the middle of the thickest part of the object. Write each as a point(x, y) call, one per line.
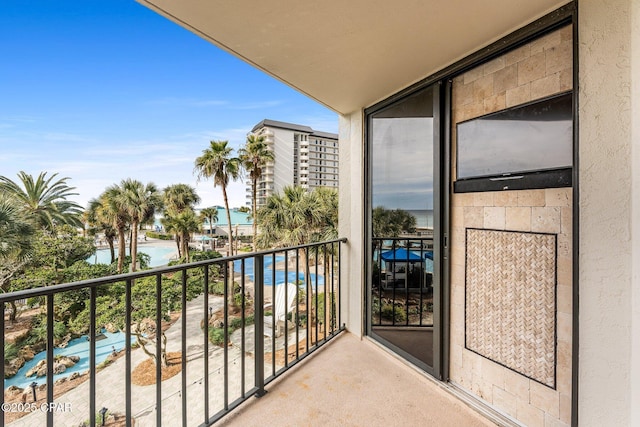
point(457, 219)
point(518, 218)
point(457, 255)
point(457, 274)
point(455, 357)
point(531, 198)
point(505, 198)
point(545, 398)
point(518, 95)
point(565, 271)
point(532, 68)
point(557, 197)
point(566, 33)
point(505, 79)
point(565, 299)
point(471, 362)
point(483, 199)
point(559, 58)
point(545, 220)
point(493, 66)
point(563, 380)
point(566, 80)
point(566, 226)
point(462, 199)
point(483, 88)
point(517, 385)
point(564, 327)
point(472, 75)
point(495, 103)
point(545, 86)
point(565, 408)
point(504, 401)
point(564, 354)
point(546, 42)
point(550, 421)
point(471, 111)
point(463, 94)
point(492, 372)
point(494, 217)
point(517, 55)
point(529, 415)
point(564, 245)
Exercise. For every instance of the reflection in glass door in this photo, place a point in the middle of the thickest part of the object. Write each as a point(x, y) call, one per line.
point(404, 287)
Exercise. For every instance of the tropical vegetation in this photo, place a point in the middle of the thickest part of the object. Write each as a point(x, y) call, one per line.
point(255, 155)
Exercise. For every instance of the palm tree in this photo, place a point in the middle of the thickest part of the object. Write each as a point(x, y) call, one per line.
point(254, 156)
point(177, 199)
point(116, 214)
point(182, 224)
point(140, 202)
point(44, 198)
point(216, 162)
point(211, 215)
point(97, 218)
point(180, 197)
point(16, 229)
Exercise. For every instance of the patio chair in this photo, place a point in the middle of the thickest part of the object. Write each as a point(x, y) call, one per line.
point(280, 310)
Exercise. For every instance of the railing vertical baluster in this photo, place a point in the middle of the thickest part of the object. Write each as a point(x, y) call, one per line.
point(380, 284)
point(184, 346)
point(258, 272)
point(127, 329)
point(334, 300)
point(316, 297)
point(206, 344)
point(50, 357)
point(286, 317)
point(92, 357)
point(326, 292)
point(393, 299)
point(340, 284)
point(422, 281)
point(406, 284)
point(297, 303)
point(158, 349)
point(274, 322)
point(307, 281)
point(2, 343)
point(225, 328)
point(243, 327)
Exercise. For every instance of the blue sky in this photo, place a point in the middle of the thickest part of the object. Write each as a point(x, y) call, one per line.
point(100, 91)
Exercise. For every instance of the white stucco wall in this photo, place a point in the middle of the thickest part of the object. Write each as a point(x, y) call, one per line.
point(351, 220)
point(609, 206)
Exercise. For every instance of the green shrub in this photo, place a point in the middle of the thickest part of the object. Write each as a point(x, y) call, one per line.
point(161, 236)
point(10, 351)
point(389, 312)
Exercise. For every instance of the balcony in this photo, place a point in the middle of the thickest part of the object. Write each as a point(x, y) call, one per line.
point(332, 377)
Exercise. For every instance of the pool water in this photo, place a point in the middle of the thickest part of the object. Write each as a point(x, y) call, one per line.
point(279, 274)
point(77, 347)
point(160, 255)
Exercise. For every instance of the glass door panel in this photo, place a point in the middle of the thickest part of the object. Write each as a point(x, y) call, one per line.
point(402, 277)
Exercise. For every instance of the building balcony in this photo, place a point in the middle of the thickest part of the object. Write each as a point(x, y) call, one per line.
point(299, 368)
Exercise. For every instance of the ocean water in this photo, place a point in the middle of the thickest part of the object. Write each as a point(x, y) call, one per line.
point(424, 217)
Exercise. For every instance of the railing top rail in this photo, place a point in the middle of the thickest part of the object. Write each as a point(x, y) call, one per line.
point(91, 283)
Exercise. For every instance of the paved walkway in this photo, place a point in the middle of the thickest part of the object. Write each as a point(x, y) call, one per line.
point(110, 382)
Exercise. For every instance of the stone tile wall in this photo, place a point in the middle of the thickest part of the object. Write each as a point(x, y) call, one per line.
point(538, 69)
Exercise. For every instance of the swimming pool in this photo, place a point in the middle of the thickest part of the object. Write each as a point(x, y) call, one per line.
point(76, 347)
point(160, 255)
point(280, 277)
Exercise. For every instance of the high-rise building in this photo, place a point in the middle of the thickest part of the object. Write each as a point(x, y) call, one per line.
point(303, 157)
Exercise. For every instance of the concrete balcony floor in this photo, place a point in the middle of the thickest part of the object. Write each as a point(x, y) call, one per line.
point(353, 382)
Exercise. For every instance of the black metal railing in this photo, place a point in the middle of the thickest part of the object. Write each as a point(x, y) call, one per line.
point(213, 378)
point(402, 282)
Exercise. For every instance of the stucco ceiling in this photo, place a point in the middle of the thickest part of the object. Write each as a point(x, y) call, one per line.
point(348, 54)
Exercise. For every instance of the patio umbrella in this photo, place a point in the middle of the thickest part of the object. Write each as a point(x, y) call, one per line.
point(205, 238)
point(401, 254)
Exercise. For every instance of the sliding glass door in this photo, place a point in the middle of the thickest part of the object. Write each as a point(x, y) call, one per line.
point(404, 289)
